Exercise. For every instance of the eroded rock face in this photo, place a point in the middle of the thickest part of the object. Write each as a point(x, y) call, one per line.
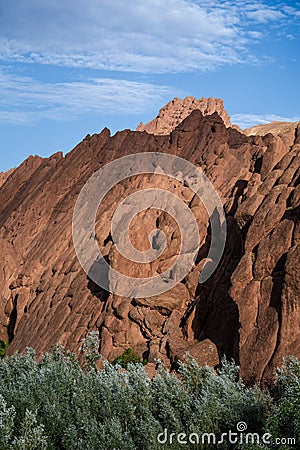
point(248, 309)
point(172, 114)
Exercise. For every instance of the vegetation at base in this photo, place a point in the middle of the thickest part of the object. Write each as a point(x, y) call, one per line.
point(3, 348)
point(56, 403)
point(127, 357)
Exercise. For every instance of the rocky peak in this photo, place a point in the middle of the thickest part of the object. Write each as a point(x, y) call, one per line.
point(177, 110)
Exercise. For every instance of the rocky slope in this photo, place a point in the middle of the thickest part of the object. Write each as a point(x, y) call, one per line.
point(248, 309)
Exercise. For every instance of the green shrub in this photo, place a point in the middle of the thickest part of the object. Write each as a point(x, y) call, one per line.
point(285, 419)
point(127, 357)
point(32, 435)
point(90, 349)
point(55, 403)
point(3, 348)
point(7, 418)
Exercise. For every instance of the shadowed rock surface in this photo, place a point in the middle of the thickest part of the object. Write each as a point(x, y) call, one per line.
point(248, 309)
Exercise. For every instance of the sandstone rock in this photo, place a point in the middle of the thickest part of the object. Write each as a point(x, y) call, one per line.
point(150, 370)
point(286, 130)
point(248, 309)
point(177, 110)
point(176, 298)
point(205, 353)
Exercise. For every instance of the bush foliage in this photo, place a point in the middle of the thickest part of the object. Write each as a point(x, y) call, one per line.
point(57, 403)
point(3, 348)
point(127, 357)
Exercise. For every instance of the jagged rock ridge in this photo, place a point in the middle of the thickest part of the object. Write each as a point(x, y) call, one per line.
point(248, 309)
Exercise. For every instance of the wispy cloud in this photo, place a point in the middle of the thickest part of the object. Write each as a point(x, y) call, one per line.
point(150, 36)
point(250, 120)
point(265, 15)
point(25, 100)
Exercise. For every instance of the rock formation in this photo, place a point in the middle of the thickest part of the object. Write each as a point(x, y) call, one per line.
point(275, 128)
point(177, 110)
point(248, 309)
point(5, 175)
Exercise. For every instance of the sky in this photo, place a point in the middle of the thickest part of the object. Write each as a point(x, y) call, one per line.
point(69, 68)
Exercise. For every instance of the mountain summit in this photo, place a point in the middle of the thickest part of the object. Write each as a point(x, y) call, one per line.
point(177, 110)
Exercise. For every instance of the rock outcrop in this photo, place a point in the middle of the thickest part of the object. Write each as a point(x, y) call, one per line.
point(275, 128)
point(172, 114)
point(248, 309)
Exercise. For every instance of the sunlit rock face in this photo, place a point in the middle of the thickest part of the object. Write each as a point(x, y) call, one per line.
point(177, 110)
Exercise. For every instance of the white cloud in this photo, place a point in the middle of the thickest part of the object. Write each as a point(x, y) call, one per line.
point(265, 15)
point(25, 100)
point(149, 36)
point(292, 11)
point(255, 34)
point(153, 36)
point(250, 120)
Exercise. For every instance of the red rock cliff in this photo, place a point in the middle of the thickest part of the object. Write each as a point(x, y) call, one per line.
point(248, 309)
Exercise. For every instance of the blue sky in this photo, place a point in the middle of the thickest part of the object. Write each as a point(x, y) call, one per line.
point(68, 68)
